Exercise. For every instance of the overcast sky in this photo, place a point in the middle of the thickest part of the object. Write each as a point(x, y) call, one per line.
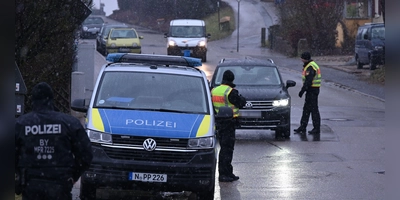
point(109, 5)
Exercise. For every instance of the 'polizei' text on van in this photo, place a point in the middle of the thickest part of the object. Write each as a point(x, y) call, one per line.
point(157, 123)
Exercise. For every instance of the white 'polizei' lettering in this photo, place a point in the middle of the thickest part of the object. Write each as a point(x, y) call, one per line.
point(43, 129)
point(157, 123)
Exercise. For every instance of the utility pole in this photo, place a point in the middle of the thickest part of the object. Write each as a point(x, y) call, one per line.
point(237, 48)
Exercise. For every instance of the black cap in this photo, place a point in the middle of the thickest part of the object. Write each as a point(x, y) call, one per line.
point(228, 76)
point(42, 91)
point(306, 55)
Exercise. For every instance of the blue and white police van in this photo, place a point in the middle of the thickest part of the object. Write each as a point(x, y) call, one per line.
point(151, 124)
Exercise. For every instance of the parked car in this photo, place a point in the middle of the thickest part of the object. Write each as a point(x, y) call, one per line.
point(370, 45)
point(123, 40)
point(268, 100)
point(102, 36)
point(91, 26)
point(145, 135)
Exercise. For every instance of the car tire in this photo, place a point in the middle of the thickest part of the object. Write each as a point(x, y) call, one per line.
point(359, 64)
point(87, 191)
point(372, 64)
point(204, 58)
point(206, 194)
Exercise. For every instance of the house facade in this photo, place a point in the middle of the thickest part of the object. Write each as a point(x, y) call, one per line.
point(357, 13)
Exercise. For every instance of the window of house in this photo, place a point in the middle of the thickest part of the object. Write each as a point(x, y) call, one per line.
point(358, 9)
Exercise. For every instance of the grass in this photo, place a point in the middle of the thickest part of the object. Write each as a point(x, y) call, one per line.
point(212, 23)
point(378, 75)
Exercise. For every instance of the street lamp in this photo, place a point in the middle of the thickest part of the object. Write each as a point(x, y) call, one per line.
point(219, 25)
point(237, 48)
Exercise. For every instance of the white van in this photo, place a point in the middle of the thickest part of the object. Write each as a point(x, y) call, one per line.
point(187, 37)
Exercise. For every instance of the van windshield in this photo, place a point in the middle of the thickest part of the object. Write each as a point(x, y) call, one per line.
point(187, 31)
point(152, 91)
point(378, 32)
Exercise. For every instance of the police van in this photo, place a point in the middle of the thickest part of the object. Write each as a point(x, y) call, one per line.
point(187, 37)
point(151, 124)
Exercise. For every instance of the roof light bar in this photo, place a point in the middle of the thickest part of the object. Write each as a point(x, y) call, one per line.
point(153, 59)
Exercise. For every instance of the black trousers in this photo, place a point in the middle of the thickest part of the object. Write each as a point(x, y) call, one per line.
point(311, 108)
point(38, 189)
point(226, 137)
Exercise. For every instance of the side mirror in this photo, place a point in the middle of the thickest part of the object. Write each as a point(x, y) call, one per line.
point(208, 35)
point(365, 37)
point(79, 105)
point(165, 35)
point(141, 37)
point(224, 113)
point(290, 83)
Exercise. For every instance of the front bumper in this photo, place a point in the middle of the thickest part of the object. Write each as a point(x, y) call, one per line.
point(196, 52)
point(272, 119)
point(186, 171)
point(378, 56)
point(124, 49)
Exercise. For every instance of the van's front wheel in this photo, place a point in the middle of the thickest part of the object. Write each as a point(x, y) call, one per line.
point(372, 64)
point(359, 64)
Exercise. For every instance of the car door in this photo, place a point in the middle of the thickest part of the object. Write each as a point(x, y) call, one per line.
point(363, 52)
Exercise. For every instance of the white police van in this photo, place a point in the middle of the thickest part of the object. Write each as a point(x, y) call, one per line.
point(187, 37)
point(151, 124)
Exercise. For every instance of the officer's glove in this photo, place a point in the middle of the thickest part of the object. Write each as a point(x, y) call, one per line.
point(301, 93)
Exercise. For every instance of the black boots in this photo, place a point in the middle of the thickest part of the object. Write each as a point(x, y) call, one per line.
point(300, 130)
point(314, 132)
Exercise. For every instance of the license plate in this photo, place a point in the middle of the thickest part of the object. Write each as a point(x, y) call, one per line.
point(191, 51)
point(250, 114)
point(147, 177)
point(124, 50)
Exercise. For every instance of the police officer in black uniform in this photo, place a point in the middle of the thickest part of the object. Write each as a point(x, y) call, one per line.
point(226, 128)
point(52, 149)
point(311, 76)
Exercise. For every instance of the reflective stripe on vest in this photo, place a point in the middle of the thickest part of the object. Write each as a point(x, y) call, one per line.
point(317, 78)
point(220, 98)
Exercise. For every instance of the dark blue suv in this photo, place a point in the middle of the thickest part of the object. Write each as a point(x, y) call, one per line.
point(370, 45)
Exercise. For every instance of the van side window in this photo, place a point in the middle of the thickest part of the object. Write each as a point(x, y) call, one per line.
point(364, 32)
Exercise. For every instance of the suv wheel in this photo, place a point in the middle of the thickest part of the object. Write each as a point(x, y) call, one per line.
point(359, 64)
point(372, 64)
point(206, 195)
point(87, 191)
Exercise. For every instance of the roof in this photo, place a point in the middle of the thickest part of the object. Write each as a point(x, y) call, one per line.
point(153, 59)
point(187, 22)
point(246, 61)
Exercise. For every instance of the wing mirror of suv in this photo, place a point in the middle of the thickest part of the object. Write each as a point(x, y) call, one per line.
point(365, 37)
point(79, 105)
point(165, 35)
point(290, 83)
point(224, 112)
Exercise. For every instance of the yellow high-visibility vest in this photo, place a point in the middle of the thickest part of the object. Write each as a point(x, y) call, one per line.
point(317, 78)
point(220, 98)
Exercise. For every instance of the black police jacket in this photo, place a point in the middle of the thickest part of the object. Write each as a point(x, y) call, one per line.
point(51, 145)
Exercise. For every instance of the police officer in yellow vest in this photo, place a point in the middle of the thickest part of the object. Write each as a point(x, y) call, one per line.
point(311, 83)
point(226, 95)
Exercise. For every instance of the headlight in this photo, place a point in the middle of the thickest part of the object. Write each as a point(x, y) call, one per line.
point(113, 45)
point(85, 28)
point(99, 137)
point(378, 47)
point(199, 143)
point(282, 102)
point(202, 43)
point(135, 44)
point(171, 43)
